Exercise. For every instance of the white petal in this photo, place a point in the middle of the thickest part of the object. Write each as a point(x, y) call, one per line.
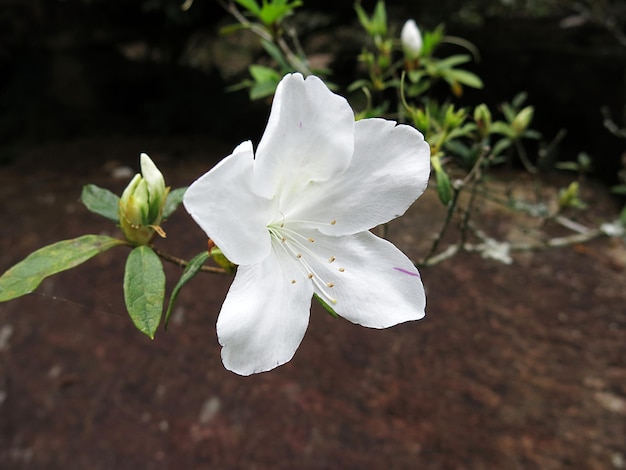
point(264, 316)
point(388, 172)
point(367, 280)
point(411, 39)
point(309, 135)
point(223, 204)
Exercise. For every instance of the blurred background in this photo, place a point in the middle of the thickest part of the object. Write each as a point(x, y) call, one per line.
point(99, 67)
point(515, 366)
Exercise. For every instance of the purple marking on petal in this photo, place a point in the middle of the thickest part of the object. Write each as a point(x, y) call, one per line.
point(300, 125)
point(407, 272)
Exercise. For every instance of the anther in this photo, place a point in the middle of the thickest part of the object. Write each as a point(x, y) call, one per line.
point(341, 270)
point(333, 222)
point(331, 259)
point(293, 281)
point(298, 256)
point(311, 240)
point(310, 276)
point(330, 284)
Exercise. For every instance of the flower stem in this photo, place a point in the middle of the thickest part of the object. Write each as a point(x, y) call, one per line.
point(183, 263)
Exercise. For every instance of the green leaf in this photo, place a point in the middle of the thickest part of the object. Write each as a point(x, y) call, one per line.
point(260, 74)
point(327, 307)
point(276, 54)
point(463, 77)
point(144, 289)
point(174, 198)
point(452, 61)
point(250, 5)
point(444, 187)
point(25, 276)
point(188, 274)
point(500, 127)
point(101, 201)
point(501, 146)
point(274, 11)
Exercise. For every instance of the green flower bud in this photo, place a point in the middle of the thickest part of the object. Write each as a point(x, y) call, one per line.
point(141, 204)
point(482, 116)
point(522, 120)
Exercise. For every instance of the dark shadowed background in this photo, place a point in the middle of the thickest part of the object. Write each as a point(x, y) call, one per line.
point(514, 367)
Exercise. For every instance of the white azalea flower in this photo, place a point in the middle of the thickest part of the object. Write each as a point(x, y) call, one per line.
point(411, 39)
point(296, 216)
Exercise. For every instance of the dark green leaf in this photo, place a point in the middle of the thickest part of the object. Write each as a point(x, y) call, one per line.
point(174, 198)
point(188, 274)
point(444, 187)
point(25, 276)
point(144, 289)
point(101, 201)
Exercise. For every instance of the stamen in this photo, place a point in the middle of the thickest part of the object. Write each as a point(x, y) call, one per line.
point(333, 222)
point(341, 270)
point(295, 246)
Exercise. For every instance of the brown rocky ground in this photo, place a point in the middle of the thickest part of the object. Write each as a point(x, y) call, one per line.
point(515, 366)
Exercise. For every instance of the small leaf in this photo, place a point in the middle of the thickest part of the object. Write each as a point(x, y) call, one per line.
point(101, 201)
point(327, 307)
point(251, 5)
point(144, 289)
point(174, 198)
point(25, 276)
point(502, 128)
point(463, 77)
point(501, 146)
point(444, 187)
point(188, 274)
point(451, 62)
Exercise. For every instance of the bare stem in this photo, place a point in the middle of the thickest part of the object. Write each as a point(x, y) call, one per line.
point(183, 263)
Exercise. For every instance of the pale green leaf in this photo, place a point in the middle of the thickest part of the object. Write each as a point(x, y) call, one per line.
point(25, 276)
point(101, 201)
point(144, 289)
point(463, 77)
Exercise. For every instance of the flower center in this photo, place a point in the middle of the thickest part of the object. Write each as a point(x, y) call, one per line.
point(303, 251)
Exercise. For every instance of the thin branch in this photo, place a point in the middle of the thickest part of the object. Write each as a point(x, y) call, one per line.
point(183, 263)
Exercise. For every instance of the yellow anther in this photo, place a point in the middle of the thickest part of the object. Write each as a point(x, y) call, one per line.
point(331, 259)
